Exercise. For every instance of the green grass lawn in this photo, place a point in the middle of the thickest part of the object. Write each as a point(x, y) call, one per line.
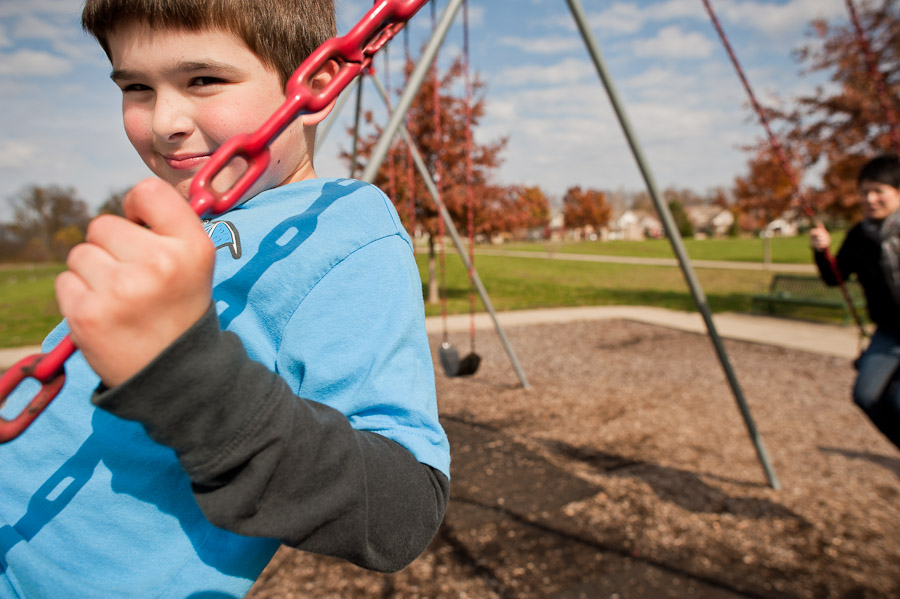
point(28, 308)
point(27, 303)
point(516, 283)
point(783, 250)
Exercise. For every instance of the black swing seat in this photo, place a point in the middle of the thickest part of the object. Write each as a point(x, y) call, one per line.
point(454, 366)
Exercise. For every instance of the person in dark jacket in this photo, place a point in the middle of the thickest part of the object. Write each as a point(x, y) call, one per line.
point(871, 250)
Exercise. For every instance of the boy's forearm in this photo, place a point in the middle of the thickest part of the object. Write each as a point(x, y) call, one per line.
point(264, 462)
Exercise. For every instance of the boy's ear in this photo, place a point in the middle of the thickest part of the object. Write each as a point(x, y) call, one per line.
point(318, 82)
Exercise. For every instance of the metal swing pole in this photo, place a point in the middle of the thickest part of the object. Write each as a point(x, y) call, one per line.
point(674, 239)
point(457, 241)
point(359, 93)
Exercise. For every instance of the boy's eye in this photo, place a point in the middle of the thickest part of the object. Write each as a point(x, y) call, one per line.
point(135, 87)
point(205, 81)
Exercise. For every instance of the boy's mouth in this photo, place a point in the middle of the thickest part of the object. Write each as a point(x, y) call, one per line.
point(183, 162)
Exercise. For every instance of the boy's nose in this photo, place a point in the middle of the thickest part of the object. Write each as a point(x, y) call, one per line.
point(172, 118)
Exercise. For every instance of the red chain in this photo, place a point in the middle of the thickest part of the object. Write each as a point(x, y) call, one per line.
point(353, 53)
point(780, 154)
point(470, 200)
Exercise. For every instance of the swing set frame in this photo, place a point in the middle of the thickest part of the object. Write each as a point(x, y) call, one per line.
point(396, 121)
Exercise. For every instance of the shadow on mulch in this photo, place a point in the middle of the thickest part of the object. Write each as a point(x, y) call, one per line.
point(524, 530)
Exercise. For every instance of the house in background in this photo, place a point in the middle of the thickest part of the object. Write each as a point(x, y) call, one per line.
point(710, 220)
point(635, 225)
point(782, 227)
point(556, 228)
point(786, 225)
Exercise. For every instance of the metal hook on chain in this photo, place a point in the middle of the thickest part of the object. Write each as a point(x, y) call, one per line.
point(353, 53)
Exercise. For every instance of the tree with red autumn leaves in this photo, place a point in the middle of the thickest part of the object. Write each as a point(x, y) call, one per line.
point(513, 209)
point(496, 208)
point(837, 129)
point(585, 208)
point(764, 193)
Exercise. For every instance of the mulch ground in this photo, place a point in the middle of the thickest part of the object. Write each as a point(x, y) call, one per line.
point(626, 472)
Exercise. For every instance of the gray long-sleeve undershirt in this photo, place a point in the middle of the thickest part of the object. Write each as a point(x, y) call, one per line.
point(264, 462)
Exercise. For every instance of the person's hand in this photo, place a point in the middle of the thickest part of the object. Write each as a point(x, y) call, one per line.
point(131, 290)
point(819, 238)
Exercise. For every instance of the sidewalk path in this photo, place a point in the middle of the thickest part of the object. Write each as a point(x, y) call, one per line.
point(773, 267)
point(828, 339)
point(9, 356)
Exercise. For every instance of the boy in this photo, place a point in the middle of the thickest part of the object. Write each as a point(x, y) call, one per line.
point(872, 251)
point(310, 419)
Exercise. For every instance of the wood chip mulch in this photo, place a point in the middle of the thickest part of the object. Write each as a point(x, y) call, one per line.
point(626, 472)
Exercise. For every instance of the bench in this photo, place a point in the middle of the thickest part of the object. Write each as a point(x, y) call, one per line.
point(809, 291)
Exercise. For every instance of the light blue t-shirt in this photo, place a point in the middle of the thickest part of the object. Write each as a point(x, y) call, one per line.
point(318, 280)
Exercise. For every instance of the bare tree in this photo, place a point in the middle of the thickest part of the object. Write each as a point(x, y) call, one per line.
point(113, 203)
point(50, 219)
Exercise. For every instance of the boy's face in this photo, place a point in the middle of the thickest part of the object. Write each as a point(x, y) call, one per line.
point(185, 93)
point(879, 200)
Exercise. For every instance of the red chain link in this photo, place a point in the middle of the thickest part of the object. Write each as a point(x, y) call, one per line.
point(353, 53)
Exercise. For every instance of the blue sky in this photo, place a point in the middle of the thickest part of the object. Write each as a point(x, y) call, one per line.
point(60, 121)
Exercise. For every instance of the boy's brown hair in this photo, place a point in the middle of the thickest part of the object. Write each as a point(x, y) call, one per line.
point(282, 33)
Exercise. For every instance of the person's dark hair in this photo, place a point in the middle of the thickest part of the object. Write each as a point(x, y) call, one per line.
point(282, 33)
point(884, 169)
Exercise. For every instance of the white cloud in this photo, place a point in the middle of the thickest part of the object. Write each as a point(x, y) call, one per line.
point(655, 78)
point(626, 17)
point(27, 7)
point(500, 109)
point(16, 154)
point(563, 72)
point(39, 28)
point(776, 20)
point(620, 18)
point(546, 45)
point(673, 42)
point(33, 63)
point(676, 9)
point(83, 51)
point(671, 121)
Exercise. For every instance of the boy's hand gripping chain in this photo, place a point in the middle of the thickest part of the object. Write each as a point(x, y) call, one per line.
point(353, 53)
